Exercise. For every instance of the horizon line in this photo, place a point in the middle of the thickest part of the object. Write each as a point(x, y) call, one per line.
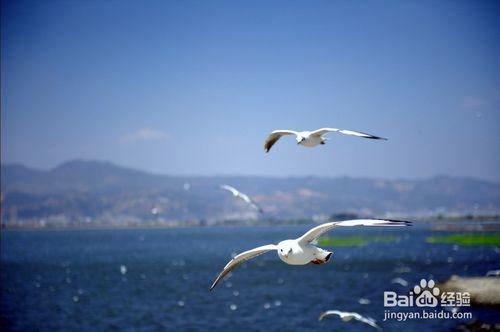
point(111, 163)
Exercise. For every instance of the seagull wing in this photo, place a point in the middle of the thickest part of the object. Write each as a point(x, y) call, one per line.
point(250, 202)
point(365, 320)
point(257, 207)
point(323, 131)
point(241, 196)
point(347, 316)
point(245, 198)
point(275, 136)
point(315, 232)
point(328, 313)
point(231, 189)
point(240, 258)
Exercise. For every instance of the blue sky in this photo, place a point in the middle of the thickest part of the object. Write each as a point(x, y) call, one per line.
point(194, 87)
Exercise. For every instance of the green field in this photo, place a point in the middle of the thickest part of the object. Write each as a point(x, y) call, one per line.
point(354, 241)
point(468, 239)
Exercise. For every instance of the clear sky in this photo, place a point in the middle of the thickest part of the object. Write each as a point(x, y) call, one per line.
point(194, 87)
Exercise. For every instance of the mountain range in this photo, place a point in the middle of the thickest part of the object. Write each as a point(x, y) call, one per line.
point(97, 191)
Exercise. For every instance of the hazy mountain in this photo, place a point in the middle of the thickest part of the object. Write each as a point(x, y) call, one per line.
point(77, 175)
point(93, 189)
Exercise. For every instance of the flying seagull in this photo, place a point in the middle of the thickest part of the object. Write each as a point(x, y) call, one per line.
point(302, 250)
point(312, 138)
point(348, 316)
point(242, 196)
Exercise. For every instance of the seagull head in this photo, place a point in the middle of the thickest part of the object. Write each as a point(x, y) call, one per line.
point(299, 139)
point(284, 249)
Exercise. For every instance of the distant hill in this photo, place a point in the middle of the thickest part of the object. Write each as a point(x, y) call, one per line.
point(77, 175)
point(94, 190)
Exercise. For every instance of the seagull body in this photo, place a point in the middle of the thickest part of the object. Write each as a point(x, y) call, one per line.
point(238, 194)
point(302, 251)
point(348, 316)
point(311, 138)
point(302, 254)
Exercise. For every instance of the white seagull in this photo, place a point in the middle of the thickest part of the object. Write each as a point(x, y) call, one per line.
point(348, 316)
point(312, 138)
point(302, 251)
point(238, 194)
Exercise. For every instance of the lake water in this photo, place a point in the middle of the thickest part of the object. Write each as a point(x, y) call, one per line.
point(158, 279)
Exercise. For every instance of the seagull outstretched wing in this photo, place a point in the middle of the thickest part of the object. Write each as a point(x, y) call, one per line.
point(249, 201)
point(240, 258)
point(315, 232)
point(323, 131)
point(233, 190)
point(275, 136)
point(341, 314)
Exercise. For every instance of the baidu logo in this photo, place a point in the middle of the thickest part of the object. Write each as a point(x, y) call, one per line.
point(428, 301)
point(425, 294)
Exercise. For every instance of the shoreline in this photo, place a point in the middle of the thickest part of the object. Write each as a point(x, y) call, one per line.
point(437, 221)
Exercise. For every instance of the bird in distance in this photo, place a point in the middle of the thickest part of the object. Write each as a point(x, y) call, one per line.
point(348, 316)
point(238, 194)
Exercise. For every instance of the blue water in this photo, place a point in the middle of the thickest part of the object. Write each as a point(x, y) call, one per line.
point(72, 280)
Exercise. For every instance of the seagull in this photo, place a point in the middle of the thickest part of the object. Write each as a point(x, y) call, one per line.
point(312, 138)
point(242, 196)
point(302, 250)
point(348, 316)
